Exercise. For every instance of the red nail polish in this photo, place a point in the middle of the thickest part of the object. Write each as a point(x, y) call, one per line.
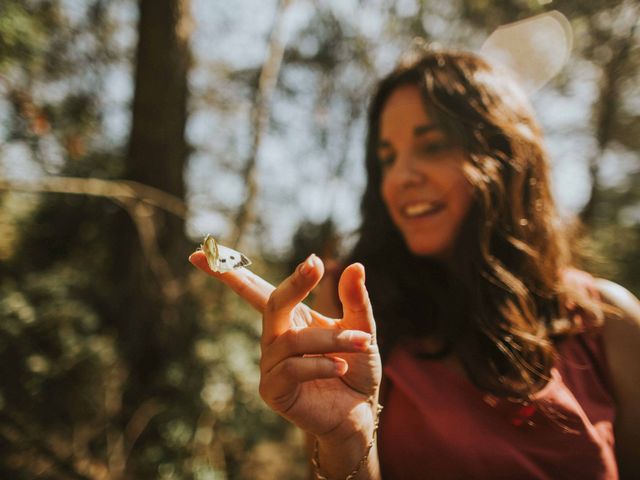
point(360, 340)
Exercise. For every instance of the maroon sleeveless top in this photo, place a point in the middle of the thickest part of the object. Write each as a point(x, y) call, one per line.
point(437, 424)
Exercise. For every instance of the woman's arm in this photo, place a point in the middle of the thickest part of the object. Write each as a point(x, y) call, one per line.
point(322, 374)
point(622, 344)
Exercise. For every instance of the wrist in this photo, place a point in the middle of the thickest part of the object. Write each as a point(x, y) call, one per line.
point(357, 427)
point(351, 454)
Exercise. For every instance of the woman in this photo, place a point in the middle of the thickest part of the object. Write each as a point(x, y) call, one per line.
point(501, 361)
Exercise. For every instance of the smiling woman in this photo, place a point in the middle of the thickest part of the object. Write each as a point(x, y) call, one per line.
point(501, 359)
point(473, 288)
point(488, 236)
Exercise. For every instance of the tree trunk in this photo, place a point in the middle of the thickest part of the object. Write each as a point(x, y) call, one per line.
point(150, 248)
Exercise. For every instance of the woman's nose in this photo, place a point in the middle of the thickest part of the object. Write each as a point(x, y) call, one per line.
point(406, 174)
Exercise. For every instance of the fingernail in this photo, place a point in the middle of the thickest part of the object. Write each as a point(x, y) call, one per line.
point(360, 340)
point(307, 266)
point(364, 274)
point(341, 366)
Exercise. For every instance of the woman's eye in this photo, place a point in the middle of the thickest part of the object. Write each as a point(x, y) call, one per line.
point(435, 148)
point(386, 160)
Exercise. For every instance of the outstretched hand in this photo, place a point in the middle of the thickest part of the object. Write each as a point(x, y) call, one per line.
point(320, 373)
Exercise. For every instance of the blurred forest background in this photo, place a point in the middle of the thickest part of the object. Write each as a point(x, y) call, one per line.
point(130, 129)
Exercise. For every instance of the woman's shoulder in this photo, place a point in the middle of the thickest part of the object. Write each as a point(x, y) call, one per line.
point(621, 338)
point(621, 328)
point(621, 299)
point(621, 332)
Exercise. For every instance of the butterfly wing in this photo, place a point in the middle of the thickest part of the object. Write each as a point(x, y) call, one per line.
point(230, 259)
point(220, 258)
point(210, 248)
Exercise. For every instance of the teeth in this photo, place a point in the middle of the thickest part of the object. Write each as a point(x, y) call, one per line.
point(416, 209)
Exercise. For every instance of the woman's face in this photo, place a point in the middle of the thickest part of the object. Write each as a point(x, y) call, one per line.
point(423, 185)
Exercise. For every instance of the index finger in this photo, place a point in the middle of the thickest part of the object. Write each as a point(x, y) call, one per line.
point(290, 293)
point(253, 288)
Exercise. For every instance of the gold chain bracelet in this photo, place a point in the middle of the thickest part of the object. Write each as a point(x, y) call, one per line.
point(315, 460)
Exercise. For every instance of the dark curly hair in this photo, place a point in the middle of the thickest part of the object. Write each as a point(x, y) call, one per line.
point(496, 307)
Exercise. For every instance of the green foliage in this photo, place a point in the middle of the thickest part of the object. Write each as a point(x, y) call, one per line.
point(91, 390)
point(58, 366)
point(21, 35)
point(614, 235)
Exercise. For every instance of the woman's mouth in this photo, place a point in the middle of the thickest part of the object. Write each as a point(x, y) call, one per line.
point(421, 209)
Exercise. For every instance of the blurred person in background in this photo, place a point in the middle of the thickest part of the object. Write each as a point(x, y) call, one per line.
point(493, 355)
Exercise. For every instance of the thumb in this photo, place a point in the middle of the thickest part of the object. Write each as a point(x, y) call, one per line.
point(354, 297)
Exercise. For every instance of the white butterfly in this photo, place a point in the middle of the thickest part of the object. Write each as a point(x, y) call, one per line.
point(220, 258)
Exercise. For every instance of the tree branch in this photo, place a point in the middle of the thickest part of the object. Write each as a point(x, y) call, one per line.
point(114, 189)
point(137, 199)
point(259, 119)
